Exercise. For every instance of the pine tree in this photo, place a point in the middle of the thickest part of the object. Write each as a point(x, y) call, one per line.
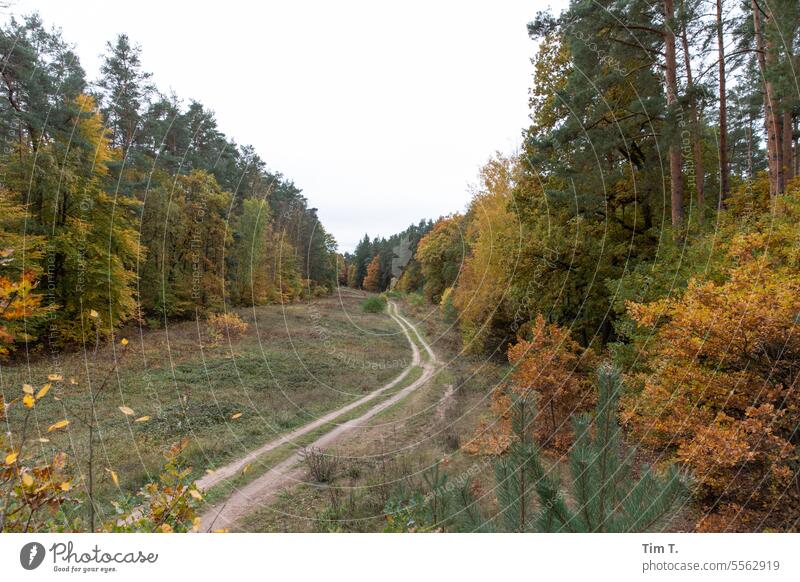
point(126, 88)
point(609, 496)
point(363, 256)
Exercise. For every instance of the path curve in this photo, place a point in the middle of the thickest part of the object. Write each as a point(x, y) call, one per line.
point(226, 514)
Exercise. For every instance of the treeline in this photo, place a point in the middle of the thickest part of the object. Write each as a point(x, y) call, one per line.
point(651, 218)
point(123, 203)
point(377, 264)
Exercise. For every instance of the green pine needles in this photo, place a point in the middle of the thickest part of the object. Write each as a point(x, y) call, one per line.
point(605, 492)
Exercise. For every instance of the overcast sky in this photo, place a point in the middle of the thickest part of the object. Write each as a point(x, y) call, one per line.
point(382, 113)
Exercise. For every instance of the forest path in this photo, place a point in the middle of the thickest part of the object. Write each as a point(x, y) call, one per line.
point(226, 514)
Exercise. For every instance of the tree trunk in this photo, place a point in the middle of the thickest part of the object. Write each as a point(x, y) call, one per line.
point(795, 136)
point(774, 151)
point(699, 172)
point(749, 130)
point(676, 179)
point(788, 158)
point(723, 111)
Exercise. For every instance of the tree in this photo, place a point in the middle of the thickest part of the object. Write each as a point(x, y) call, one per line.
point(550, 365)
point(41, 78)
point(440, 253)
point(485, 305)
point(20, 306)
point(723, 108)
point(605, 493)
point(91, 241)
point(694, 94)
point(671, 78)
point(363, 256)
point(126, 89)
point(372, 282)
point(556, 368)
point(719, 392)
point(246, 275)
point(352, 276)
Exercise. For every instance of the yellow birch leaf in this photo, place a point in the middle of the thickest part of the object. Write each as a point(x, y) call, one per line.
point(142, 419)
point(58, 425)
point(27, 389)
point(126, 411)
point(27, 480)
point(114, 477)
point(237, 415)
point(10, 458)
point(45, 389)
point(28, 401)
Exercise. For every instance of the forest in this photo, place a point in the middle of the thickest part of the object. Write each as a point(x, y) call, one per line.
point(126, 203)
point(634, 265)
point(650, 220)
point(124, 206)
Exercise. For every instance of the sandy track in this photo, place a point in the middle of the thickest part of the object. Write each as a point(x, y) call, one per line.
point(288, 472)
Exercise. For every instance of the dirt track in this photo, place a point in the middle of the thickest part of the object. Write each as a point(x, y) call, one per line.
point(226, 514)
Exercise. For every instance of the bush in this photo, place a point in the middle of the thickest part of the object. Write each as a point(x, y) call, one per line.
point(322, 466)
point(448, 308)
point(720, 395)
point(416, 299)
point(374, 304)
point(221, 325)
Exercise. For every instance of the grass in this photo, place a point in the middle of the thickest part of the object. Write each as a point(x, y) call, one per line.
point(391, 454)
point(278, 454)
point(293, 364)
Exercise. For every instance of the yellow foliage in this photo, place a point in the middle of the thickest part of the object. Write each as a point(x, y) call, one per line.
point(226, 325)
point(722, 395)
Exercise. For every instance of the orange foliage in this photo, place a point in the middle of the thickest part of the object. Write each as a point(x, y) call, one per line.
point(554, 368)
point(372, 281)
point(723, 394)
point(17, 303)
point(495, 436)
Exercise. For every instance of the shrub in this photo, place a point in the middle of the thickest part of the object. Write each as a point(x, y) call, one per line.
point(605, 491)
point(552, 366)
point(449, 311)
point(322, 466)
point(722, 390)
point(416, 299)
point(374, 304)
point(222, 325)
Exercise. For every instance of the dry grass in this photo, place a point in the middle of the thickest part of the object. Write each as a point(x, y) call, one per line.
point(397, 447)
point(291, 364)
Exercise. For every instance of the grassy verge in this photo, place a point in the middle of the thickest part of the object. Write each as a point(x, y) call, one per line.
point(278, 454)
point(390, 456)
point(293, 364)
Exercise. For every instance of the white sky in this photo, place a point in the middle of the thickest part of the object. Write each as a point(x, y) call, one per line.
point(382, 113)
